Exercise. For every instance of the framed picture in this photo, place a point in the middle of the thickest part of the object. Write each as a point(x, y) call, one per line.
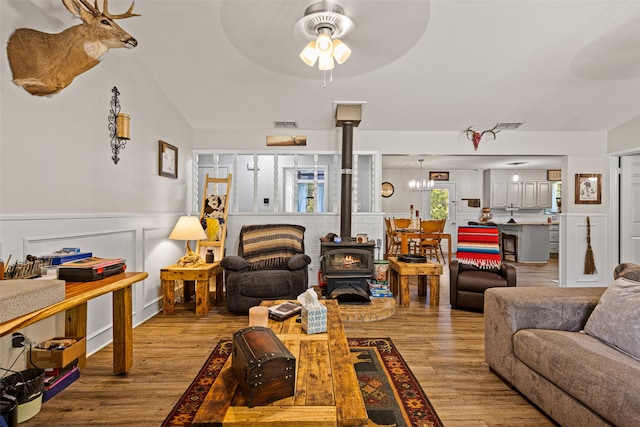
point(438, 176)
point(554, 175)
point(588, 188)
point(167, 160)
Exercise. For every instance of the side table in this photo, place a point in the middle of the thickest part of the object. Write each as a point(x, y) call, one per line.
point(202, 275)
point(399, 273)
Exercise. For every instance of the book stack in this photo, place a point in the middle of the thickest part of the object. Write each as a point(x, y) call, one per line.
point(284, 310)
point(379, 289)
point(57, 379)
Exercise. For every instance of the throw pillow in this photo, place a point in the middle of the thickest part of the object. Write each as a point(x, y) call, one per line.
point(616, 318)
point(627, 270)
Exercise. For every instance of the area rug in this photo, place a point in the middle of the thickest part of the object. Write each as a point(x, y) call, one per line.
point(392, 395)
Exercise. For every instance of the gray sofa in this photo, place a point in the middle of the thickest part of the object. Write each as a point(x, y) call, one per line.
point(534, 342)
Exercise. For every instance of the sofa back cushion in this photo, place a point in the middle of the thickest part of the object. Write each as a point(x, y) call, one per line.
point(616, 318)
point(270, 246)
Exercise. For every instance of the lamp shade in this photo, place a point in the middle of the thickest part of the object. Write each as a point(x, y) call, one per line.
point(309, 54)
point(341, 51)
point(188, 228)
point(324, 44)
point(325, 62)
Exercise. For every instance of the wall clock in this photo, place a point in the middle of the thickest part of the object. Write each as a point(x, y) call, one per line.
point(387, 189)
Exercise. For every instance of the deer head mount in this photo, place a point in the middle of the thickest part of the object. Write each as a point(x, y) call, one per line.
point(44, 64)
point(475, 136)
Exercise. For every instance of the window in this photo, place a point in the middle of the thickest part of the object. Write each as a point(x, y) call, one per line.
point(439, 203)
point(287, 183)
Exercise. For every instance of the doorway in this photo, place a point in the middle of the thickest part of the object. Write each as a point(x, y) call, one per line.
point(440, 203)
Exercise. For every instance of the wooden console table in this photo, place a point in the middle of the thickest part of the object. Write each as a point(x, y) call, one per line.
point(202, 275)
point(327, 392)
point(75, 307)
point(399, 273)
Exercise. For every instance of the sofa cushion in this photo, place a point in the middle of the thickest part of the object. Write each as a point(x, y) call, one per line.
point(479, 280)
point(616, 318)
point(267, 284)
point(594, 373)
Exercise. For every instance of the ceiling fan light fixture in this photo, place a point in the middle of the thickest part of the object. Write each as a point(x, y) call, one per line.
point(341, 51)
point(324, 45)
point(324, 23)
point(309, 54)
point(325, 62)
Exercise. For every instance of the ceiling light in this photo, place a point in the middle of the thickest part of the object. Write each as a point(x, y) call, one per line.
point(422, 184)
point(323, 23)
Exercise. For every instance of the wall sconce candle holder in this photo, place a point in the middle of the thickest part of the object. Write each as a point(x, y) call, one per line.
point(118, 126)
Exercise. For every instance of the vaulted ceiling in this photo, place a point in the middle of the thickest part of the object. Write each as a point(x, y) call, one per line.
point(562, 65)
point(420, 65)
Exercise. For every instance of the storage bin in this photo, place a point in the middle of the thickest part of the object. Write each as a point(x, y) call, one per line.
point(27, 387)
point(41, 358)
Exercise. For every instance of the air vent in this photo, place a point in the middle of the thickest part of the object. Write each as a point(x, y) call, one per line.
point(286, 124)
point(508, 125)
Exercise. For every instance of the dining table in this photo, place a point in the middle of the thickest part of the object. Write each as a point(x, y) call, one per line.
point(407, 234)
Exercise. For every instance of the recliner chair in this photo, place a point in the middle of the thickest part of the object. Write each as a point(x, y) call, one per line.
point(270, 265)
point(478, 267)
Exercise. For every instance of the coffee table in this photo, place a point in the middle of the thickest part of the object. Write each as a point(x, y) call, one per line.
point(327, 391)
point(399, 273)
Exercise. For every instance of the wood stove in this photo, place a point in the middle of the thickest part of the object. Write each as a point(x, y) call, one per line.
point(348, 265)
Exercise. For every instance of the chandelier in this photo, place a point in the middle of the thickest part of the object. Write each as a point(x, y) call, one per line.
point(422, 184)
point(323, 23)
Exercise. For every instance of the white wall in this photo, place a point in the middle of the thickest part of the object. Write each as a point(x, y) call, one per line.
point(59, 186)
point(625, 137)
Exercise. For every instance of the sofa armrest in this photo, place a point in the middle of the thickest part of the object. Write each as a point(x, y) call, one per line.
point(234, 263)
point(507, 310)
point(298, 262)
point(454, 267)
point(508, 271)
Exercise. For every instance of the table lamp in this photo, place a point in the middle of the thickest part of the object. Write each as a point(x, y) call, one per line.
point(188, 228)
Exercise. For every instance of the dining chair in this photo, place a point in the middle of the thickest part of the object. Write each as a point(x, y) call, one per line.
point(430, 238)
point(402, 222)
point(393, 241)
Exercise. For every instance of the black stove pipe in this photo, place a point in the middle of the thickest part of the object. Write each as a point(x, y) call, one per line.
point(346, 185)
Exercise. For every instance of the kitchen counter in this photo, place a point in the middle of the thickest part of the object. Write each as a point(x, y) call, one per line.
point(533, 241)
point(527, 223)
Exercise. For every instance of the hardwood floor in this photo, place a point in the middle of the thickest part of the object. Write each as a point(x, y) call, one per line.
point(443, 347)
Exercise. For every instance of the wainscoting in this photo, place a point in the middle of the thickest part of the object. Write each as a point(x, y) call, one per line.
point(139, 238)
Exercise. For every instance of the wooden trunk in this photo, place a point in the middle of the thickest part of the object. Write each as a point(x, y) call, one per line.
point(264, 367)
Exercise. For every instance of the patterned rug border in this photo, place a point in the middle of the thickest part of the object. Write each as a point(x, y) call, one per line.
point(415, 404)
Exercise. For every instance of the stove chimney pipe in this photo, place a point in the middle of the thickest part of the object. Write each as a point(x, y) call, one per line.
point(347, 178)
point(348, 115)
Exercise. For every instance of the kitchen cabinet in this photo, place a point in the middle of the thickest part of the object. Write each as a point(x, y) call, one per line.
point(536, 194)
point(554, 239)
point(501, 192)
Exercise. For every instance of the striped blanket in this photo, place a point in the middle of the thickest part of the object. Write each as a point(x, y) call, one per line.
point(270, 246)
point(479, 246)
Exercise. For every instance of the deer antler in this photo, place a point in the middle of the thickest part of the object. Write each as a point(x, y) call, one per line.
point(492, 131)
point(475, 136)
point(105, 10)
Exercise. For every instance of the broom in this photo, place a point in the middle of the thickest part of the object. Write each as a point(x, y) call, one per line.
point(589, 261)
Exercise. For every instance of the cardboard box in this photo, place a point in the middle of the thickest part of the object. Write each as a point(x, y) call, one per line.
point(314, 320)
point(57, 358)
